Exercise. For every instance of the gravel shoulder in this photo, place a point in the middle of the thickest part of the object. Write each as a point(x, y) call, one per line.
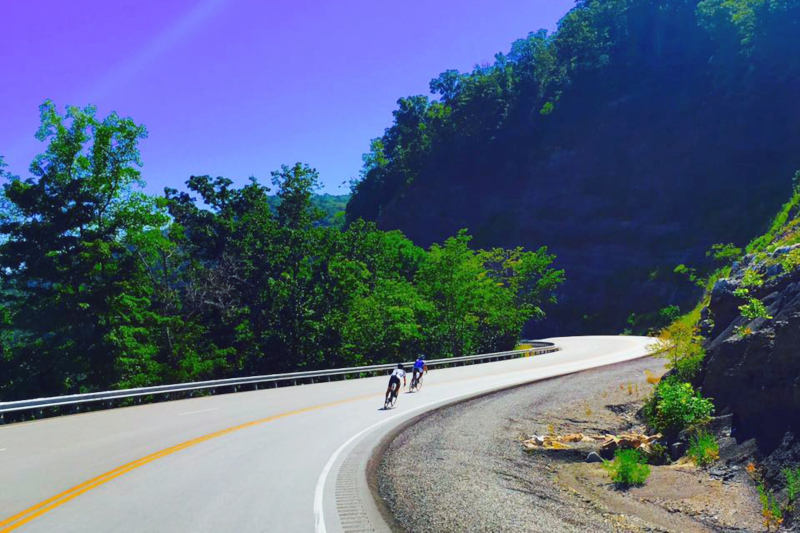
point(463, 468)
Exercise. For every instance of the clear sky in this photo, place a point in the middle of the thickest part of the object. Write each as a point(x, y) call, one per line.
point(238, 87)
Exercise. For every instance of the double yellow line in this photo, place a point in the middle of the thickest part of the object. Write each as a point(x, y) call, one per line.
point(13, 522)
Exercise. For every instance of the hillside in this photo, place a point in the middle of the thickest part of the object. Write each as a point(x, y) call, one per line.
point(629, 141)
point(332, 207)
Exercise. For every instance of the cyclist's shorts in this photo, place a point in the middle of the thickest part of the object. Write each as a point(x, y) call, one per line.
point(394, 380)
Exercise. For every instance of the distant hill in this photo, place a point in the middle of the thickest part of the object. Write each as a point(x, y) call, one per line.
point(333, 206)
point(629, 141)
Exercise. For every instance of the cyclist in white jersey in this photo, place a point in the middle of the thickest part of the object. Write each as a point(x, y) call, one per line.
point(394, 379)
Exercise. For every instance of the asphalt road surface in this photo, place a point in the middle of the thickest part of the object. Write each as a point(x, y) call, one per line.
point(283, 460)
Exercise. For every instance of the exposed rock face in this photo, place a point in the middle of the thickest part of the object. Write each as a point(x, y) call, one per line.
point(617, 210)
point(757, 376)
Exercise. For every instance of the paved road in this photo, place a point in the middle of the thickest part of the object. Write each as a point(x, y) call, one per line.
point(271, 460)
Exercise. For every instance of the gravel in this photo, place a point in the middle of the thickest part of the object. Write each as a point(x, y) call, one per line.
point(461, 469)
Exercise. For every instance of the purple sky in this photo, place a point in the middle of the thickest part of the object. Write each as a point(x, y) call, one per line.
point(238, 87)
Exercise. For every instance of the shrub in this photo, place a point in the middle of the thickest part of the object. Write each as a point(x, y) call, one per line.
point(681, 344)
point(724, 252)
point(791, 261)
point(629, 467)
point(675, 406)
point(670, 314)
point(754, 308)
point(703, 449)
point(792, 484)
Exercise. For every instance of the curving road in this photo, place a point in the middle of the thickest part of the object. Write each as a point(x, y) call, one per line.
point(288, 459)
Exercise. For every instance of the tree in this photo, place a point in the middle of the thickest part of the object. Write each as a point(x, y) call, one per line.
point(73, 282)
point(483, 299)
point(385, 325)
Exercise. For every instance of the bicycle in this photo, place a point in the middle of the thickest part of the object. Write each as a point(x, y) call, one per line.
point(416, 383)
point(392, 398)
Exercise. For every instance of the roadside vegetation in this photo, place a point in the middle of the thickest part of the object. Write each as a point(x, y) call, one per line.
point(629, 467)
point(103, 286)
point(703, 449)
point(676, 407)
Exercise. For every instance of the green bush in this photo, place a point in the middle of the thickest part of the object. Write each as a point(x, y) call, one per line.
point(703, 449)
point(629, 467)
point(676, 406)
point(754, 308)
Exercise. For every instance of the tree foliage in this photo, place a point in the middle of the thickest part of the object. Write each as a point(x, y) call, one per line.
point(104, 286)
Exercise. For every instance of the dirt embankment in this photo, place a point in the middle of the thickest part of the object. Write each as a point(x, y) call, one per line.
point(464, 468)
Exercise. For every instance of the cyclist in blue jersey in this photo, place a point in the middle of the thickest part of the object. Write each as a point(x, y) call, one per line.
point(419, 368)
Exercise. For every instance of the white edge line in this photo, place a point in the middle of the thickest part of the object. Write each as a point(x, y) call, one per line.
point(3, 449)
point(319, 516)
point(200, 411)
point(319, 519)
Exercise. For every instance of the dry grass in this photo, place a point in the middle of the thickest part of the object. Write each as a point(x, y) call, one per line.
point(652, 379)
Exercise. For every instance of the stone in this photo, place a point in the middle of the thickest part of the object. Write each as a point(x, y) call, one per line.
point(676, 450)
point(593, 457)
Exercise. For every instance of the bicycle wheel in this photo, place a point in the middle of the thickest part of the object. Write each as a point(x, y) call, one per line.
point(393, 398)
point(419, 383)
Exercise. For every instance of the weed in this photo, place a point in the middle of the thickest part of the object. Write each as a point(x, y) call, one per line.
point(792, 484)
point(752, 278)
point(628, 468)
point(588, 411)
point(770, 508)
point(703, 449)
point(551, 430)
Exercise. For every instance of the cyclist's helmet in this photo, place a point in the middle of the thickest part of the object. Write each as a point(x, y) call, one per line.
point(421, 356)
point(400, 366)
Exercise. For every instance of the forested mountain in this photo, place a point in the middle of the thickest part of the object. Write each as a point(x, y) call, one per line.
point(103, 286)
point(331, 206)
point(630, 140)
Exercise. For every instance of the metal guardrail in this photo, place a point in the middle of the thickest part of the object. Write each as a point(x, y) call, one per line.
point(293, 377)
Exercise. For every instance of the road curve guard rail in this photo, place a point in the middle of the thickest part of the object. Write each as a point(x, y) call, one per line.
point(271, 380)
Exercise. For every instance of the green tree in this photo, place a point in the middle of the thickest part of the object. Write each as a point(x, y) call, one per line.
point(483, 299)
point(73, 282)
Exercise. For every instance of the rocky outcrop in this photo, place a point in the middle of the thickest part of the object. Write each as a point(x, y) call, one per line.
point(756, 376)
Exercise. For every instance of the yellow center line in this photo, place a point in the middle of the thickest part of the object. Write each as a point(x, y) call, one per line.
point(13, 522)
